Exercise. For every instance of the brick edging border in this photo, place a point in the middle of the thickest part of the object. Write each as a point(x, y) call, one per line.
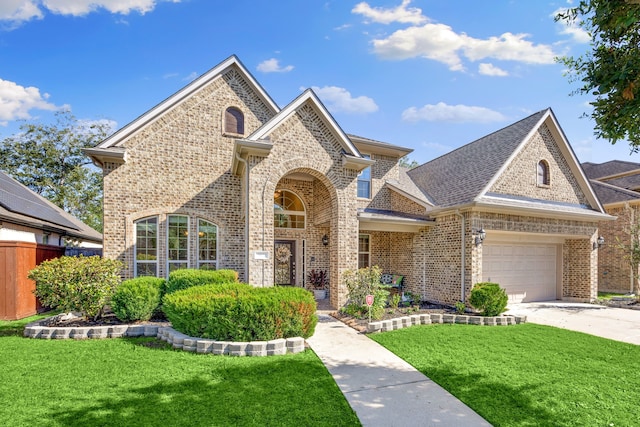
point(427, 319)
point(178, 340)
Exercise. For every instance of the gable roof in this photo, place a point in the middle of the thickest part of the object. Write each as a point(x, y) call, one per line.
point(458, 177)
point(465, 175)
point(20, 205)
point(216, 72)
point(308, 96)
point(609, 169)
point(609, 194)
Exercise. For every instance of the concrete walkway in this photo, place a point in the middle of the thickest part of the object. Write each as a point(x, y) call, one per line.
point(383, 389)
point(620, 324)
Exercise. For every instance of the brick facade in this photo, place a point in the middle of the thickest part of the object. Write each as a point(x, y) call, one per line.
point(614, 269)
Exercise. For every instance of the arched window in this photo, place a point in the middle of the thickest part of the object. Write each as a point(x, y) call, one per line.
point(146, 249)
point(543, 173)
point(233, 121)
point(288, 210)
point(207, 245)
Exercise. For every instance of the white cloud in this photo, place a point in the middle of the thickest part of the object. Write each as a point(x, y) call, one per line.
point(442, 112)
point(491, 70)
point(190, 77)
point(17, 101)
point(412, 15)
point(16, 12)
point(338, 99)
point(440, 43)
point(571, 29)
point(273, 66)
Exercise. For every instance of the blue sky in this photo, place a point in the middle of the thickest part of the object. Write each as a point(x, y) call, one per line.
point(431, 75)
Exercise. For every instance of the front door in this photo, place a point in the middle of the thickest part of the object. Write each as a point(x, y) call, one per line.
point(285, 262)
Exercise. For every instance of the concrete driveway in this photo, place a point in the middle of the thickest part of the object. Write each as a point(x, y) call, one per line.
point(619, 324)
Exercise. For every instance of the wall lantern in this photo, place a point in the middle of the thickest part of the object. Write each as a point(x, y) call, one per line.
point(480, 236)
point(325, 240)
point(598, 243)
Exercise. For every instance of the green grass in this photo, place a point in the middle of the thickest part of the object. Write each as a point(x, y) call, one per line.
point(143, 382)
point(609, 295)
point(527, 375)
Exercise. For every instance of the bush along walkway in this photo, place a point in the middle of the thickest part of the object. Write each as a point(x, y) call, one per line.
point(383, 389)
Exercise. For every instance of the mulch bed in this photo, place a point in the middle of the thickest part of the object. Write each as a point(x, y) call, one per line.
point(360, 325)
point(107, 320)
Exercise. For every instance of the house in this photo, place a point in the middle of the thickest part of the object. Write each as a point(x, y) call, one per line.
point(32, 229)
point(219, 176)
point(617, 184)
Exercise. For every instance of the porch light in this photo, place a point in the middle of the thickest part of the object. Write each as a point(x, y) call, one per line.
point(325, 240)
point(598, 243)
point(480, 236)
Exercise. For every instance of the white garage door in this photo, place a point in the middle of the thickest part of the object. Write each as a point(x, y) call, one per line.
point(527, 272)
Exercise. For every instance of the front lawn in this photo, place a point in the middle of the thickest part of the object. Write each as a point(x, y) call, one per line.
point(527, 375)
point(143, 382)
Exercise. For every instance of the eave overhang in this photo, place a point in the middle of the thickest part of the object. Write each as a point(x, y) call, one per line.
point(100, 156)
point(376, 222)
point(243, 148)
point(366, 145)
point(356, 163)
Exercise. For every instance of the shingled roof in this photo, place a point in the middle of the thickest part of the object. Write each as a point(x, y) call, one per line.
point(608, 193)
point(20, 205)
point(610, 168)
point(460, 176)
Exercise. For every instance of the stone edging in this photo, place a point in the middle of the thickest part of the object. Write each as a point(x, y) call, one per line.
point(165, 333)
point(427, 319)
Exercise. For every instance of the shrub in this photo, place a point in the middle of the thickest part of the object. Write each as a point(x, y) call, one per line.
point(188, 277)
point(489, 298)
point(363, 282)
point(137, 299)
point(240, 312)
point(80, 284)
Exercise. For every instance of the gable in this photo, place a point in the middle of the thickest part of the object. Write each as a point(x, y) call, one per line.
point(520, 176)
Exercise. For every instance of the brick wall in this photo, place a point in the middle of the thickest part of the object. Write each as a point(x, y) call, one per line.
point(614, 270)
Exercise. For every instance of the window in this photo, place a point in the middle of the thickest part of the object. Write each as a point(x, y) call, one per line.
point(364, 181)
point(543, 173)
point(364, 252)
point(146, 250)
point(207, 245)
point(288, 210)
point(177, 242)
point(233, 121)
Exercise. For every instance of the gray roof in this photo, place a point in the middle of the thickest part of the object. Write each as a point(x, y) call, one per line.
point(613, 167)
point(608, 193)
point(406, 185)
point(460, 176)
point(20, 205)
point(630, 182)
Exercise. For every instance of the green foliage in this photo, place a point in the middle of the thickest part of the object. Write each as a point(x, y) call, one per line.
point(81, 284)
point(317, 279)
point(610, 71)
point(188, 277)
point(394, 300)
point(137, 299)
point(48, 159)
point(489, 298)
point(460, 307)
point(240, 312)
point(408, 163)
point(630, 247)
point(363, 282)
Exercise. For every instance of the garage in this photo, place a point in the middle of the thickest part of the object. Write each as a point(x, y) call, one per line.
point(528, 272)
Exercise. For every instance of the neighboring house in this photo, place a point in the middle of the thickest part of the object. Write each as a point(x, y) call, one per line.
point(219, 176)
point(617, 184)
point(32, 229)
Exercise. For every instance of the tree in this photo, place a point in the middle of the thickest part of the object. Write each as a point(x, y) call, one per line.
point(48, 159)
point(405, 162)
point(630, 248)
point(611, 70)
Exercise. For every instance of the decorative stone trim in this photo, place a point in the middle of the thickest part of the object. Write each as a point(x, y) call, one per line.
point(178, 340)
point(427, 319)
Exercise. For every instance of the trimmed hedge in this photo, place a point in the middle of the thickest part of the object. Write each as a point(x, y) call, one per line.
point(489, 298)
point(240, 312)
point(188, 277)
point(137, 299)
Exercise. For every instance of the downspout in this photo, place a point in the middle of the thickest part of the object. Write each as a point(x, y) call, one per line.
point(246, 218)
point(462, 245)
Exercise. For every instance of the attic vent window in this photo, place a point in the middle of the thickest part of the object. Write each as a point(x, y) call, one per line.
point(543, 174)
point(233, 121)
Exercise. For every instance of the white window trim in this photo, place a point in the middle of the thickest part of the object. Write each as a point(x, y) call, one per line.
point(366, 156)
point(288, 212)
point(547, 166)
point(360, 252)
point(135, 245)
point(198, 261)
point(188, 260)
